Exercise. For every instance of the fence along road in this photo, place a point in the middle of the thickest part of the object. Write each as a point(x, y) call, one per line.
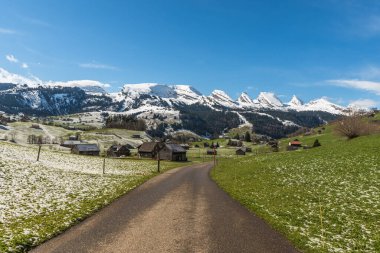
point(182, 210)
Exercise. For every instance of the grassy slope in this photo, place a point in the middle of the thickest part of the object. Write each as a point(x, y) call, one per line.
point(324, 199)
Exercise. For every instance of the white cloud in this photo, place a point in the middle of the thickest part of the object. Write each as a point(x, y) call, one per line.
point(6, 31)
point(370, 86)
point(24, 65)
point(363, 104)
point(11, 58)
point(97, 66)
point(6, 77)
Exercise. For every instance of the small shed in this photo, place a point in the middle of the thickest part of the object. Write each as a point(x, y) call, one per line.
point(241, 151)
point(70, 144)
point(148, 149)
point(295, 143)
point(86, 149)
point(118, 151)
point(172, 152)
point(211, 152)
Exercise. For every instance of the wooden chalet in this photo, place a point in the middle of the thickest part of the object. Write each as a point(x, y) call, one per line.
point(241, 151)
point(172, 152)
point(70, 143)
point(148, 149)
point(118, 151)
point(86, 149)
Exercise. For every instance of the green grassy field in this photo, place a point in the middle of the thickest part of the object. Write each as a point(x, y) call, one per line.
point(325, 199)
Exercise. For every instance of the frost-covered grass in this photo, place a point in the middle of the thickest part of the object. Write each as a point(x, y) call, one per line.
point(40, 199)
point(325, 199)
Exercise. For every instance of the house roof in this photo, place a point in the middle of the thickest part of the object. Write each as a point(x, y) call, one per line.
point(295, 143)
point(244, 149)
point(175, 148)
point(87, 147)
point(147, 146)
point(118, 147)
point(72, 142)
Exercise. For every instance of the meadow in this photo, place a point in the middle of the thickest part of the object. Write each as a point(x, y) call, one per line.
point(324, 199)
point(38, 200)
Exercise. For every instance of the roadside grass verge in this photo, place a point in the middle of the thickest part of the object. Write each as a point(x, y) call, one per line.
point(325, 199)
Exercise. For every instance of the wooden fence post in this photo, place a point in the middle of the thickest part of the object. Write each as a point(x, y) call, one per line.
point(104, 166)
point(39, 151)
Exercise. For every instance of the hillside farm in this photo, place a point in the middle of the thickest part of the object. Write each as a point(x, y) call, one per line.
point(40, 199)
point(324, 199)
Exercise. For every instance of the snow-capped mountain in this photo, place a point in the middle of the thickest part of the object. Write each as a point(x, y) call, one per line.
point(178, 106)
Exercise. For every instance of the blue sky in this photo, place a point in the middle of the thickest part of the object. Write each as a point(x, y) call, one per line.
point(308, 48)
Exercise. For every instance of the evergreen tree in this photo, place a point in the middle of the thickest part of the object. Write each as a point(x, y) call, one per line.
point(316, 143)
point(237, 137)
point(247, 137)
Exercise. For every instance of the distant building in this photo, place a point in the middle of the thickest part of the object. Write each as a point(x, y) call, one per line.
point(136, 136)
point(86, 149)
point(172, 152)
point(70, 144)
point(73, 137)
point(118, 151)
point(241, 151)
point(295, 143)
point(235, 143)
point(148, 149)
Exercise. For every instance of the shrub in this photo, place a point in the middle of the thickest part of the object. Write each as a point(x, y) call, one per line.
point(354, 126)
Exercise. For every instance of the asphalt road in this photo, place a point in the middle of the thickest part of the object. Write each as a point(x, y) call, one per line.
point(182, 210)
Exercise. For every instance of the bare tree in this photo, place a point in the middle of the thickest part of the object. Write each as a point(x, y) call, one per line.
point(354, 125)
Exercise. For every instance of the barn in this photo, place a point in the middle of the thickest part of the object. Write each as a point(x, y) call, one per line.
point(172, 152)
point(70, 143)
point(241, 151)
point(86, 149)
point(118, 151)
point(148, 149)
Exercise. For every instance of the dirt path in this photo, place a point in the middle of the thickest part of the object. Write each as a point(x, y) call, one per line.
point(181, 210)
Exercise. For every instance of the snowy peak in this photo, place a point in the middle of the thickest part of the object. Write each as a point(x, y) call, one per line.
point(244, 99)
point(323, 104)
point(295, 102)
point(269, 99)
point(219, 97)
